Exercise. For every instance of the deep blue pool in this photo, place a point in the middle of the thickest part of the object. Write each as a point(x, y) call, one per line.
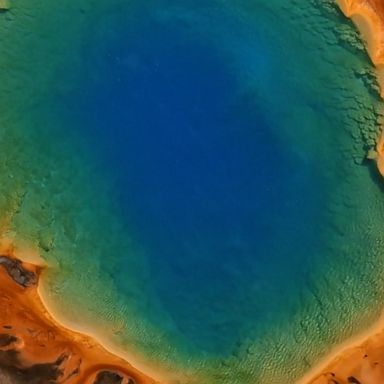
point(225, 211)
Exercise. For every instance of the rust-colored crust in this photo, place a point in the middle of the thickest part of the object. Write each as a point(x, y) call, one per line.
point(360, 361)
point(35, 349)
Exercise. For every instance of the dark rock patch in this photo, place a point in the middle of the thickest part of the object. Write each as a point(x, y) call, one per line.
point(107, 377)
point(47, 373)
point(353, 380)
point(17, 272)
point(6, 340)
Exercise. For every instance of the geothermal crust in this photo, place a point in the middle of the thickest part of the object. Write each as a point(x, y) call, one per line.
point(34, 349)
point(360, 361)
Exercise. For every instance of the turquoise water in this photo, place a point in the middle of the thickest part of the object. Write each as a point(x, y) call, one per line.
point(203, 179)
point(194, 174)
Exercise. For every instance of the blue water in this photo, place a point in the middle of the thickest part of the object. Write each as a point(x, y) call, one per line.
point(225, 210)
point(196, 185)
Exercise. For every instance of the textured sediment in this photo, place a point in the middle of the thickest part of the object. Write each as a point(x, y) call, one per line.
point(361, 360)
point(34, 349)
point(368, 15)
point(54, 200)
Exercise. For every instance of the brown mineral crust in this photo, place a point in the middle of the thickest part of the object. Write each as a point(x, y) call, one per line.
point(35, 349)
point(361, 360)
point(19, 273)
point(106, 377)
point(368, 15)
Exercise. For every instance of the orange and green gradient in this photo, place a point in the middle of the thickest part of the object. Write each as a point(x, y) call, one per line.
point(194, 175)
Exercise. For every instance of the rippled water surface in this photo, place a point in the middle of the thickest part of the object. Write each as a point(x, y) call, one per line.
point(194, 173)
